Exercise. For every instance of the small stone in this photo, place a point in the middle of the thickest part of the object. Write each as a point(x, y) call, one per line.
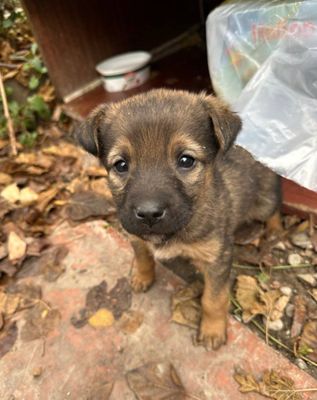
point(289, 311)
point(275, 285)
point(308, 253)
point(301, 363)
point(276, 325)
point(301, 240)
point(37, 371)
point(294, 259)
point(287, 291)
point(308, 278)
point(280, 246)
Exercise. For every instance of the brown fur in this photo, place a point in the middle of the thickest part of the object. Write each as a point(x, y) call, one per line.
point(173, 210)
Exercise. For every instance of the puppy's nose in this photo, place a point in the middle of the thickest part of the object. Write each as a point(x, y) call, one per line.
point(150, 212)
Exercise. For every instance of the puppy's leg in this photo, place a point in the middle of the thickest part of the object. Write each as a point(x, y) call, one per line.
point(143, 266)
point(215, 303)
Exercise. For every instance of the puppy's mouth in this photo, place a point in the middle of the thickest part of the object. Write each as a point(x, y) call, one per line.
point(156, 238)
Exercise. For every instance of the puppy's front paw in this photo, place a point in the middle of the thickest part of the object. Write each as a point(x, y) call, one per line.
point(212, 334)
point(141, 283)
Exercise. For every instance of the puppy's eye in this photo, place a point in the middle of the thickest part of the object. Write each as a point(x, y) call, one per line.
point(121, 166)
point(186, 162)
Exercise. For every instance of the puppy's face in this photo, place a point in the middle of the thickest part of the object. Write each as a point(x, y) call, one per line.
point(159, 150)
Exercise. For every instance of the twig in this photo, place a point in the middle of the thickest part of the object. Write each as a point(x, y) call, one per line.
point(8, 118)
point(313, 297)
point(9, 66)
point(295, 390)
point(276, 267)
point(311, 225)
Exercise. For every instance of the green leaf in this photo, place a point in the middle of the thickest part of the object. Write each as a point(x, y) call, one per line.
point(7, 23)
point(14, 108)
point(26, 66)
point(33, 82)
point(263, 277)
point(3, 130)
point(8, 90)
point(29, 119)
point(37, 64)
point(38, 105)
point(28, 139)
point(304, 350)
point(34, 48)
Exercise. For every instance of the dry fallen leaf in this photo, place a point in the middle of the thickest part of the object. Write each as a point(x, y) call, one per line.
point(255, 301)
point(101, 319)
point(47, 92)
point(101, 391)
point(16, 247)
point(299, 316)
point(63, 149)
point(77, 185)
point(37, 159)
point(272, 385)
point(28, 196)
point(9, 303)
point(186, 305)
point(46, 197)
point(101, 186)
point(155, 382)
point(7, 268)
point(131, 321)
point(11, 193)
point(8, 336)
point(5, 207)
point(5, 179)
point(117, 300)
point(36, 246)
point(308, 340)
point(246, 381)
point(3, 252)
point(39, 322)
point(187, 313)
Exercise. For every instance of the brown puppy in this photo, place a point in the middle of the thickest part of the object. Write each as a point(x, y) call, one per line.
point(181, 187)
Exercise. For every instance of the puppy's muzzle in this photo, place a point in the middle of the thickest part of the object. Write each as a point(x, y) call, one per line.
point(150, 212)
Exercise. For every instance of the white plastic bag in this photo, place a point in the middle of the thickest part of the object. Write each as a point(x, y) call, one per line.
point(263, 60)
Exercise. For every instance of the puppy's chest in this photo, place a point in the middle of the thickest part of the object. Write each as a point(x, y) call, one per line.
point(207, 252)
point(170, 251)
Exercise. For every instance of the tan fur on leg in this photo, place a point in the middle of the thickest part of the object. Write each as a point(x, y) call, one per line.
point(143, 266)
point(215, 305)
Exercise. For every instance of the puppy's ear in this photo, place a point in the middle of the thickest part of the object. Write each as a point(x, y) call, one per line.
point(88, 131)
point(226, 123)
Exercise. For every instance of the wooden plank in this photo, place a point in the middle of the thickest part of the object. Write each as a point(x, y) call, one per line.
point(298, 200)
point(73, 36)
